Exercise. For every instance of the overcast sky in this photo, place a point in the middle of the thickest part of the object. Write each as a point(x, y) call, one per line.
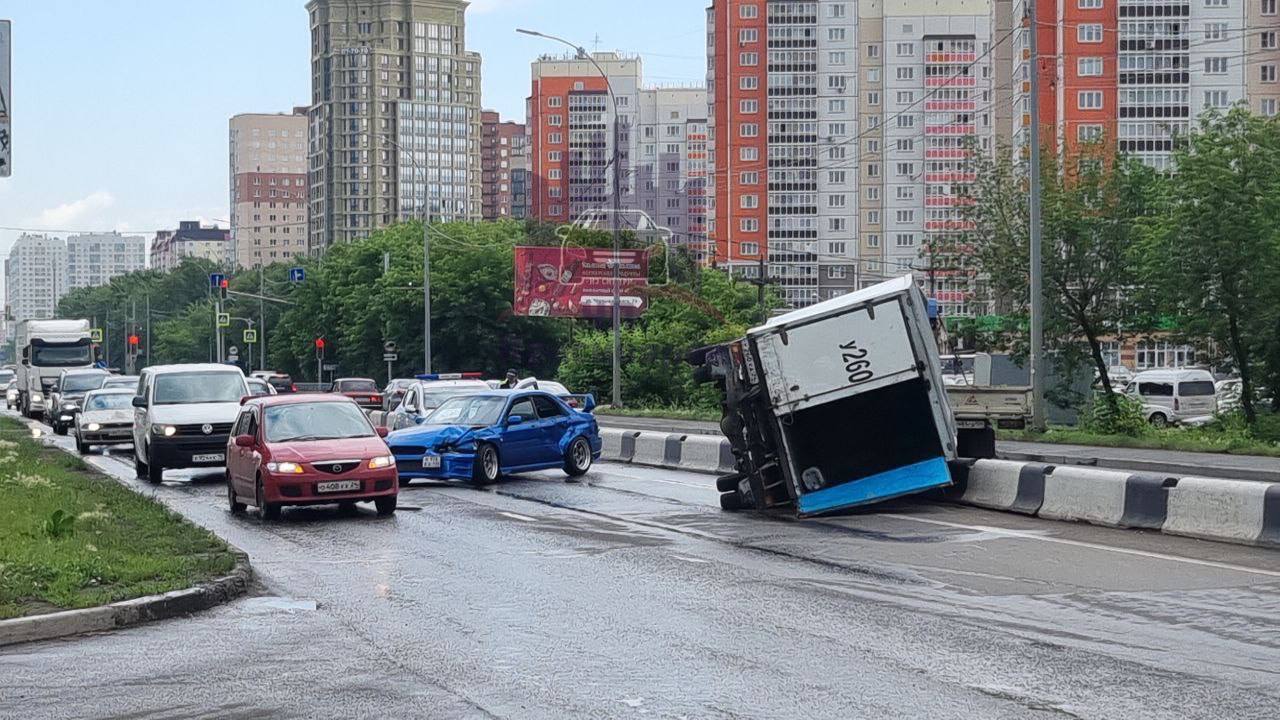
point(121, 106)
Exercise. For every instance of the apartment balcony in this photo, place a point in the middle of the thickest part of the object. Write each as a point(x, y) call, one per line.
point(950, 105)
point(945, 225)
point(946, 154)
point(950, 129)
point(948, 201)
point(950, 81)
point(951, 176)
point(946, 58)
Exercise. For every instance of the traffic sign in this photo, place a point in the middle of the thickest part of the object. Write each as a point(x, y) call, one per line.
point(224, 320)
point(390, 357)
point(215, 280)
point(297, 274)
point(6, 96)
point(330, 367)
point(250, 337)
point(389, 346)
point(233, 352)
point(95, 336)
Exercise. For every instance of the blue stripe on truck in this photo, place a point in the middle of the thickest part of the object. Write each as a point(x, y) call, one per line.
point(873, 488)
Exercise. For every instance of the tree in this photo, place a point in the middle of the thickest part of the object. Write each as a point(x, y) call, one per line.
point(1212, 257)
point(1093, 206)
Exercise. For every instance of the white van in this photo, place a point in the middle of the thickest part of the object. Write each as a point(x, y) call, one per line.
point(1174, 396)
point(183, 415)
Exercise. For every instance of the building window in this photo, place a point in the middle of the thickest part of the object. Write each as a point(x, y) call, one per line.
point(1090, 4)
point(749, 106)
point(749, 178)
point(1268, 73)
point(1089, 100)
point(836, 273)
point(873, 240)
point(748, 153)
point(873, 217)
point(873, 97)
point(904, 240)
point(836, 58)
point(836, 225)
point(1215, 98)
point(1089, 33)
point(873, 193)
point(835, 106)
point(749, 130)
point(1089, 66)
point(749, 225)
point(1088, 132)
point(1215, 66)
point(1215, 3)
point(835, 34)
point(749, 82)
point(905, 49)
point(906, 73)
point(835, 177)
point(749, 248)
point(1268, 7)
point(906, 216)
point(1269, 40)
point(555, 101)
point(555, 120)
point(748, 11)
point(749, 202)
point(1215, 31)
point(1267, 108)
point(836, 11)
point(749, 59)
point(906, 97)
point(749, 35)
point(873, 50)
point(836, 201)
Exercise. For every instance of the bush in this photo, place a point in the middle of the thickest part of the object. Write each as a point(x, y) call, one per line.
point(1123, 417)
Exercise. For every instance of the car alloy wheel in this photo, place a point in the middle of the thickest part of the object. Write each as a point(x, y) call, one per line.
point(578, 457)
point(487, 468)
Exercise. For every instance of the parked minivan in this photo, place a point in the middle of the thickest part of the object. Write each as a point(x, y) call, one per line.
point(1174, 396)
point(183, 416)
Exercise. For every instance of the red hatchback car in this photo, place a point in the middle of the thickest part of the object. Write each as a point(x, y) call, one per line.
point(307, 450)
point(363, 391)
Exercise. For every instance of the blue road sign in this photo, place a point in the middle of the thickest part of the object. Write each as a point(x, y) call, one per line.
point(297, 275)
point(215, 280)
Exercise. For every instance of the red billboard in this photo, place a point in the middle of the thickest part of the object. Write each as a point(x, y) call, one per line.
point(578, 282)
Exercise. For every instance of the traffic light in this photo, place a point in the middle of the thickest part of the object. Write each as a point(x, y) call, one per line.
point(222, 288)
point(320, 345)
point(133, 342)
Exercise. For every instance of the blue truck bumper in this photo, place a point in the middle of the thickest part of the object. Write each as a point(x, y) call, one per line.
point(905, 480)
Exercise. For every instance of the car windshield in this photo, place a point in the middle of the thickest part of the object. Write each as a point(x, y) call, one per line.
point(61, 355)
point(433, 400)
point(258, 386)
point(468, 410)
point(123, 382)
point(198, 387)
point(5, 377)
point(81, 383)
point(109, 401)
point(299, 422)
point(357, 386)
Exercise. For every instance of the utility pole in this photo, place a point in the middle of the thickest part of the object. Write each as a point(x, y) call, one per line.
point(147, 349)
point(426, 286)
point(1037, 292)
point(262, 320)
point(131, 354)
point(760, 283)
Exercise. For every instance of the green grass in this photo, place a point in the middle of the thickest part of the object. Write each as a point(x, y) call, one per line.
point(1183, 439)
point(669, 412)
point(120, 545)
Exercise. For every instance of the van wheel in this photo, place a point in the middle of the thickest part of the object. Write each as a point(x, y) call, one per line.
point(155, 474)
point(139, 467)
point(82, 448)
point(1158, 420)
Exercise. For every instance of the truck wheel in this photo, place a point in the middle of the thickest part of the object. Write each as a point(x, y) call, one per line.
point(1159, 420)
point(975, 443)
point(728, 483)
point(731, 501)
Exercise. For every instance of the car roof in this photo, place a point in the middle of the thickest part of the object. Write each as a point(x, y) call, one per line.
point(443, 384)
point(354, 379)
point(85, 371)
point(192, 367)
point(298, 399)
point(1174, 374)
point(111, 391)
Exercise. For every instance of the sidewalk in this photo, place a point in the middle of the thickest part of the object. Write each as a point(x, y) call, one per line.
point(1173, 462)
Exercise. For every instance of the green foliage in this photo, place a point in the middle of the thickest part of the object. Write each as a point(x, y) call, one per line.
point(1122, 416)
point(59, 524)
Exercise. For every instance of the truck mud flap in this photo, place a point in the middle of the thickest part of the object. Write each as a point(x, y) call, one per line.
point(905, 480)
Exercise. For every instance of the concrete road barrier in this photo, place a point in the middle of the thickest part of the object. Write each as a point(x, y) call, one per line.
point(1237, 510)
point(1086, 494)
point(706, 453)
point(1005, 485)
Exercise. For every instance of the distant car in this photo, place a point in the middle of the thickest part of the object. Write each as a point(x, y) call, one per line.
point(259, 387)
point(65, 398)
point(7, 375)
point(106, 418)
point(11, 394)
point(363, 391)
point(1172, 397)
point(481, 436)
point(120, 381)
point(394, 392)
point(426, 394)
point(282, 383)
point(574, 401)
point(307, 450)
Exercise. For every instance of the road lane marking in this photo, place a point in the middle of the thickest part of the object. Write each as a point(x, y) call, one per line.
point(517, 516)
point(1083, 544)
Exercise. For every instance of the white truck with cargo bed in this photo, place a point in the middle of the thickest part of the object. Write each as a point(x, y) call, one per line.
point(45, 348)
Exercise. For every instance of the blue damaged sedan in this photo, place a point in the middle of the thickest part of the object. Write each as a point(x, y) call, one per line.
point(482, 436)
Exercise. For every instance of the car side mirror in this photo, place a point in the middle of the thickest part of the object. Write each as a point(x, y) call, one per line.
point(515, 419)
point(139, 401)
point(244, 441)
point(382, 431)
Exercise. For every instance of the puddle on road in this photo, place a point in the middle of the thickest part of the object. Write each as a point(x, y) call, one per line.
point(272, 604)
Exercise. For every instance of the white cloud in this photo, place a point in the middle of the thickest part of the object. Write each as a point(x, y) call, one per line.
point(74, 212)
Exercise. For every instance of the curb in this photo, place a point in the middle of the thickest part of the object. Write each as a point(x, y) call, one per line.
point(1243, 512)
point(130, 612)
point(125, 613)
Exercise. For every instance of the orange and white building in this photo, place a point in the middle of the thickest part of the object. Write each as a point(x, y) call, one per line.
point(268, 155)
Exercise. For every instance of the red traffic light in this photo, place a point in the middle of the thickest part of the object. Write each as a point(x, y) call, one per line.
point(133, 341)
point(225, 283)
point(319, 343)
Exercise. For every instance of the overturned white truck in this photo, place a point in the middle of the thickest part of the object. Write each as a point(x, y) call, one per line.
point(835, 405)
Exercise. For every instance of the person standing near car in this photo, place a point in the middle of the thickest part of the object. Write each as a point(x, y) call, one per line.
point(510, 383)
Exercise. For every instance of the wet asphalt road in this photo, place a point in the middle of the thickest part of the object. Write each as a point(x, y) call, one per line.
point(633, 596)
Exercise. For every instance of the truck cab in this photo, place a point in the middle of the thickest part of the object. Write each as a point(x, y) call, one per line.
point(47, 348)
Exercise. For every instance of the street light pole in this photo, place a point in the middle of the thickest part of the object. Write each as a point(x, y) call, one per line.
point(426, 260)
point(1037, 291)
point(617, 209)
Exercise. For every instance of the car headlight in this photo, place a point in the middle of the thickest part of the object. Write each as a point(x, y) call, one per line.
point(37, 397)
point(68, 406)
point(93, 427)
point(165, 430)
point(382, 461)
point(285, 468)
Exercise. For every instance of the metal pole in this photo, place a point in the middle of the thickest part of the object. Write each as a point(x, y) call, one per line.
point(148, 348)
point(426, 287)
point(131, 356)
point(1037, 293)
point(617, 248)
point(262, 317)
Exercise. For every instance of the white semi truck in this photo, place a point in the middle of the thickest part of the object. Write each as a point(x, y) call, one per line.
point(45, 348)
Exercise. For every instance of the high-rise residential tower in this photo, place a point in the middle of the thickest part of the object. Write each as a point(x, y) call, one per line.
point(503, 167)
point(394, 125)
point(268, 154)
point(94, 258)
point(35, 277)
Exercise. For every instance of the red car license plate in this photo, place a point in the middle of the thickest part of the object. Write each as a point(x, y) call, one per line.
point(338, 486)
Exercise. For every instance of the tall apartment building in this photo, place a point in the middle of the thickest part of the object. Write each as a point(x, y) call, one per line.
point(268, 156)
point(35, 277)
point(94, 258)
point(840, 135)
point(662, 136)
point(1139, 73)
point(394, 125)
point(190, 240)
point(503, 168)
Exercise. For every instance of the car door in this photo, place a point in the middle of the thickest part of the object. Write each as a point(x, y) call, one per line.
point(235, 453)
point(247, 458)
point(521, 440)
point(554, 422)
point(408, 410)
point(140, 428)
